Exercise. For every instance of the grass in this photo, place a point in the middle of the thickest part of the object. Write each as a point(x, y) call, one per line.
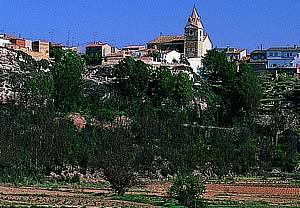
point(148, 199)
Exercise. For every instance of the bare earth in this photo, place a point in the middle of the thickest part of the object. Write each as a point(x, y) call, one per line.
point(77, 197)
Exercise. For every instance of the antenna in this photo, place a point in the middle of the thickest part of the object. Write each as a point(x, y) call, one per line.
point(95, 36)
point(68, 40)
point(51, 33)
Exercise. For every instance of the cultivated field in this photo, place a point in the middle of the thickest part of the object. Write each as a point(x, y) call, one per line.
point(250, 194)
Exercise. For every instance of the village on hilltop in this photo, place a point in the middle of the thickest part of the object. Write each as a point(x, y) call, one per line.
point(188, 49)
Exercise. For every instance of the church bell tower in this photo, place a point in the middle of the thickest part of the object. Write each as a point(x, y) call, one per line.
point(193, 36)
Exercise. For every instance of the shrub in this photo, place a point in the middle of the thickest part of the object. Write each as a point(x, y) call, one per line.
point(188, 190)
point(120, 175)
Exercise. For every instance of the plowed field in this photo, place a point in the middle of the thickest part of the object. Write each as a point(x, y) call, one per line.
point(78, 197)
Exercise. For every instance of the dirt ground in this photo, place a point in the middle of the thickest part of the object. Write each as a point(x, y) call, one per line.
point(78, 197)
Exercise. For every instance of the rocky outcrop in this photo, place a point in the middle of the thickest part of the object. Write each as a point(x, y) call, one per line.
point(15, 67)
point(9, 68)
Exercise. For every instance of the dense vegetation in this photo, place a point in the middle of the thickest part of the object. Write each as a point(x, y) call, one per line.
point(147, 121)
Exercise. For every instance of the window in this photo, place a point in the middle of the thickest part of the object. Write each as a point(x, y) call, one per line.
point(276, 54)
point(271, 54)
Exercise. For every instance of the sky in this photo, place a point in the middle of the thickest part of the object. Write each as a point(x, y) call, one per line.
point(235, 23)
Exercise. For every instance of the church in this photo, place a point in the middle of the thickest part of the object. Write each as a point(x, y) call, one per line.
point(193, 45)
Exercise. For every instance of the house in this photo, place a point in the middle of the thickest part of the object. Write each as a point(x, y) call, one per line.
point(233, 54)
point(4, 42)
point(133, 48)
point(102, 48)
point(113, 58)
point(258, 60)
point(167, 43)
point(28, 44)
point(21, 43)
point(258, 56)
point(40, 46)
point(171, 57)
point(283, 57)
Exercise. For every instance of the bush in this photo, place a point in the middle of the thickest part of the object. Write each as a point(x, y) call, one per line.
point(120, 175)
point(188, 190)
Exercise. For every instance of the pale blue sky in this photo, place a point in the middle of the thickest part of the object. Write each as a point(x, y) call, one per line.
point(237, 23)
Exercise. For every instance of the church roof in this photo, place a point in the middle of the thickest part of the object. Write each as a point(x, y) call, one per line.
point(195, 19)
point(195, 13)
point(166, 39)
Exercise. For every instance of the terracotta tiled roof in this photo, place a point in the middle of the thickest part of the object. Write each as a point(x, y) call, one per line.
point(166, 39)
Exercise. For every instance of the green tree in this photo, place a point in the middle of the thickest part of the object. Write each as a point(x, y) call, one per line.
point(236, 84)
point(183, 88)
point(68, 82)
point(188, 190)
point(93, 58)
point(133, 78)
point(162, 86)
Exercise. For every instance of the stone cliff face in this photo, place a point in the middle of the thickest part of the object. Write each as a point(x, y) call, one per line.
point(14, 67)
point(9, 67)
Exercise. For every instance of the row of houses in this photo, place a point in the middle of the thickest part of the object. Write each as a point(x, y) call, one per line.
point(37, 49)
point(286, 58)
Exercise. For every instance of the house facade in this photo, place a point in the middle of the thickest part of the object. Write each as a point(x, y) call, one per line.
point(258, 60)
point(283, 57)
point(171, 57)
point(102, 48)
point(233, 54)
point(4, 42)
point(167, 43)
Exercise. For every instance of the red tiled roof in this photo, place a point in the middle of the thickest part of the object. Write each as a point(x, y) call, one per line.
point(166, 39)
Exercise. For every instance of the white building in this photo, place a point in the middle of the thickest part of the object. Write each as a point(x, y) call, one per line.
point(283, 57)
point(4, 42)
point(233, 54)
point(171, 57)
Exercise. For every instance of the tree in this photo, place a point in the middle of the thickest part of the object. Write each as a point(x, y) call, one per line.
point(133, 78)
point(162, 86)
point(68, 82)
point(188, 190)
point(183, 88)
point(118, 160)
point(93, 58)
point(237, 85)
point(217, 67)
point(249, 90)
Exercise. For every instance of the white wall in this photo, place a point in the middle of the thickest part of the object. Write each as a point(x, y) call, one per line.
point(169, 57)
point(106, 49)
point(195, 64)
point(274, 63)
point(207, 45)
point(4, 42)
